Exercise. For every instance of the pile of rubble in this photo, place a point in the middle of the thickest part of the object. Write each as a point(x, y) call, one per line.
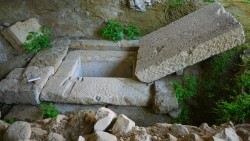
point(105, 125)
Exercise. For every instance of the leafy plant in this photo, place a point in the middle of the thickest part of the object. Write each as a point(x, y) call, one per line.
point(116, 31)
point(49, 110)
point(132, 32)
point(237, 110)
point(183, 92)
point(176, 3)
point(37, 41)
point(210, 1)
point(10, 121)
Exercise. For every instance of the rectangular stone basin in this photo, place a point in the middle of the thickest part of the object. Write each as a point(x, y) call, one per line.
point(97, 77)
point(121, 64)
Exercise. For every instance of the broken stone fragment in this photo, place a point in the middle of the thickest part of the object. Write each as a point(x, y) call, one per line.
point(104, 118)
point(189, 40)
point(122, 125)
point(55, 137)
point(18, 131)
point(228, 134)
point(102, 136)
point(81, 123)
point(164, 101)
point(18, 32)
point(178, 130)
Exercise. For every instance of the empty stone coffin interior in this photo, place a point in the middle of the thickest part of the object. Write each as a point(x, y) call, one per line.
point(191, 39)
point(97, 77)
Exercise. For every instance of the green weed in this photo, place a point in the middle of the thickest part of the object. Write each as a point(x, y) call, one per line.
point(176, 3)
point(183, 92)
point(49, 110)
point(237, 110)
point(36, 42)
point(210, 1)
point(10, 121)
point(116, 31)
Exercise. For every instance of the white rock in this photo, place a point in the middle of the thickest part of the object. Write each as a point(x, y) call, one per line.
point(38, 131)
point(140, 5)
point(205, 127)
point(122, 125)
point(104, 118)
point(102, 136)
point(191, 137)
point(139, 134)
point(178, 130)
point(189, 40)
point(80, 138)
point(55, 137)
point(18, 131)
point(228, 134)
point(171, 137)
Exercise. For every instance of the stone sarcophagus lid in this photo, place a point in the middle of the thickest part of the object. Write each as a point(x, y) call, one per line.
point(189, 40)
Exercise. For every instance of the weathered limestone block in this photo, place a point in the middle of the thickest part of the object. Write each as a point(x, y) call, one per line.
point(191, 39)
point(97, 90)
point(165, 100)
point(53, 56)
point(17, 33)
point(67, 87)
point(16, 88)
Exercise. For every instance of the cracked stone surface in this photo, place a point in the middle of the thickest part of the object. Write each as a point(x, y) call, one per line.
point(164, 100)
point(53, 56)
point(15, 88)
point(189, 40)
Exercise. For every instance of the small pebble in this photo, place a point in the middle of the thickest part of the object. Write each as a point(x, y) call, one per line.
point(6, 24)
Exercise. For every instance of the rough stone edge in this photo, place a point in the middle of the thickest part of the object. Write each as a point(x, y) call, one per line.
point(232, 37)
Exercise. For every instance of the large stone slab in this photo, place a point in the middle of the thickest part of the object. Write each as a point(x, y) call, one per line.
point(115, 91)
point(191, 39)
point(17, 33)
point(15, 88)
point(68, 85)
point(53, 56)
